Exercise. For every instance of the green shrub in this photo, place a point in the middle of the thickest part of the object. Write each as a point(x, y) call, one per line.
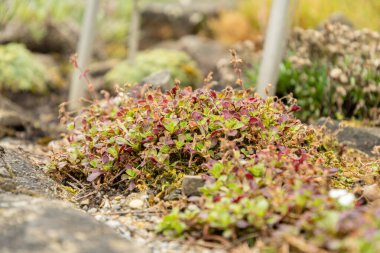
point(179, 64)
point(267, 175)
point(20, 71)
point(333, 72)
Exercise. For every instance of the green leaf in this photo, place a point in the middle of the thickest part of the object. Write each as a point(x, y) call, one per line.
point(171, 125)
point(94, 163)
point(257, 170)
point(230, 123)
point(238, 125)
point(131, 173)
point(261, 205)
point(121, 140)
point(199, 146)
point(216, 170)
point(93, 131)
point(112, 151)
point(70, 126)
point(165, 149)
point(179, 144)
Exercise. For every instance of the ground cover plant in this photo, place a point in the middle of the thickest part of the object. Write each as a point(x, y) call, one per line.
point(177, 63)
point(270, 180)
point(20, 71)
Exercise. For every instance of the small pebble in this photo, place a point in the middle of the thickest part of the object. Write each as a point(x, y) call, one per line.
point(116, 206)
point(113, 223)
point(85, 202)
point(92, 210)
point(136, 204)
point(100, 217)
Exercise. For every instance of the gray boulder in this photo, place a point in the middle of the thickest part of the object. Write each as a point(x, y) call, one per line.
point(32, 221)
point(168, 21)
point(37, 225)
point(364, 139)
point(18, 175)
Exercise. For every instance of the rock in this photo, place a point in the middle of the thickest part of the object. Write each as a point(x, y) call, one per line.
point(58, 37)
point(92, 210)
point(136, 204)
point(10, 117)
point(205, 52)
point(371, 192)
point(164, 21)
point(54, 77)
point(336, 18)
point(113, 223)
point(173, 195)
point(85, 202)
point(37, 225)
point(191, 185)
point(19, 176)
point(364, 139)
point(158, 79)
point(14, 121)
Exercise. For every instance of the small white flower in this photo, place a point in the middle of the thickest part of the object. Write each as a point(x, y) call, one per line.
point(346, 200)
point(344, 197)
point(337, 193)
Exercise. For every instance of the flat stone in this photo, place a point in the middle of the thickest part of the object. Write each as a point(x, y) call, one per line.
point(361, 138)
point(206, 52)
point(38, 225)
point(167, 21)
point(23, 177)
point(15, 120)
point(191, 185)
point(136, 204)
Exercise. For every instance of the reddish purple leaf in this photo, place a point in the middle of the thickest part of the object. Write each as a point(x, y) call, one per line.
point(227, 114)
point(295, 108)
point(215, 132)
point(242, 224)
point(256, 121)
point(105, 159)
point(232, 133)
point(249, 176)
point(94, 175)
point(216, 199)
point(147, 139)
point(196, 116)
point(237, 199)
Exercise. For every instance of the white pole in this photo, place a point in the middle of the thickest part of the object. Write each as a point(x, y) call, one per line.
point(133, 40)
point(78, 86)
point(275, 41)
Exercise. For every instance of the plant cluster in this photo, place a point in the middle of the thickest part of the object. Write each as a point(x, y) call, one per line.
point(269, 177)
point(179, 65)
point(333, 72)
point(20, 71)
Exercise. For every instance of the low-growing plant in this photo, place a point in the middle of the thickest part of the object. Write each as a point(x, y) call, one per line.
point(179, 65)
point(20, 71)
point(266, 173)
point(333, 71)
